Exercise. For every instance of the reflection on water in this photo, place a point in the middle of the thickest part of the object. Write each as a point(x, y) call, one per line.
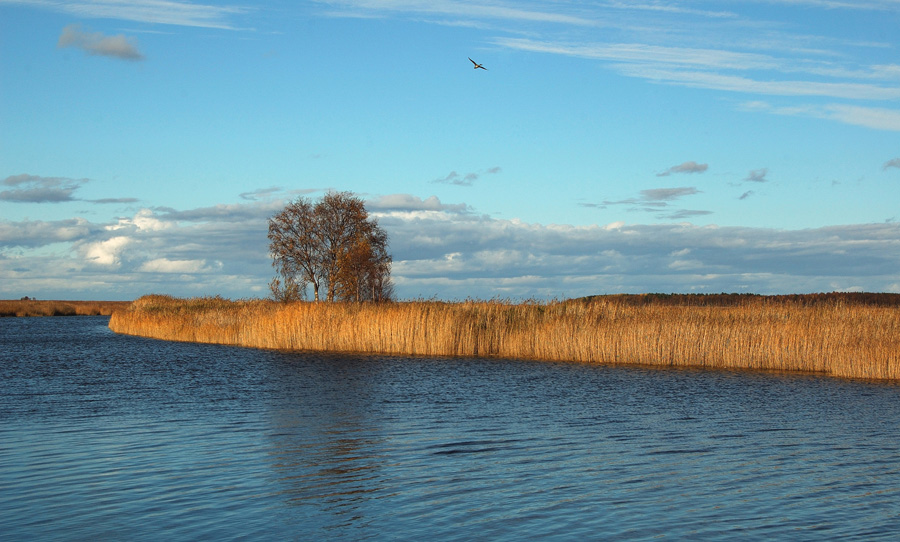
point(114, 437)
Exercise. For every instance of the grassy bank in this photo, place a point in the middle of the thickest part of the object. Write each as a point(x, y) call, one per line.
point(843, 337)
point(32, 307)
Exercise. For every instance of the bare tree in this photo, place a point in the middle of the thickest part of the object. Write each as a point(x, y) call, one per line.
point(332, 243)
point(294, 246)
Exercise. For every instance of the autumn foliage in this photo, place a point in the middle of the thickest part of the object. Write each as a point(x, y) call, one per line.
point(333, 245)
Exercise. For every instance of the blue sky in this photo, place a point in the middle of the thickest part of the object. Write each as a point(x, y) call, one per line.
point(610, 146)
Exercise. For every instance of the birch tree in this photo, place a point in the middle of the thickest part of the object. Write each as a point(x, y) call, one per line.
point(331, 245)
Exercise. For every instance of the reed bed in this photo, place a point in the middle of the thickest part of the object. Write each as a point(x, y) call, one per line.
point(833, 337)
point(33, 307)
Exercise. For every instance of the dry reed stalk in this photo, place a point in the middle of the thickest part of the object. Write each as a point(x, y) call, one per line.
point(838, 338)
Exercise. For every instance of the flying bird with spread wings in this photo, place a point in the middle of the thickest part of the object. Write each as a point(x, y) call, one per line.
point(477, 65)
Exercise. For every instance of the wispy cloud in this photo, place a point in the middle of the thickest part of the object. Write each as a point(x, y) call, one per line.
point(260, 193)
point(468, 179)
point(33, 189)
point(686, 167)
point(892, 163)
point(27, 188)
point(667, 194)
point(96, 43)
point(757, 175)
point(113, 200)
point(172, 12)
point(458, 9)
point(869, 117)
point(657, 201)
point(641, 53)
point(671, 8)
point(748, 85)
point(873, 5)
point(733, 51)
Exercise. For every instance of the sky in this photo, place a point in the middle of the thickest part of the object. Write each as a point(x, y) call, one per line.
point(610, 146)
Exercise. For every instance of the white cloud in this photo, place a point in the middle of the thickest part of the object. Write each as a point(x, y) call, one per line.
point(444, 253)
point(869, 117)
point(165, 265)
point(171, 12)
point(455, 8)
point(146, 220)
point(407, 202)
point(747, 85)
point(106, 252)
point(641, 53)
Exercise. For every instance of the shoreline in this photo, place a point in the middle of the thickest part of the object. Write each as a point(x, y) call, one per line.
point(33, 307)
point(835, 335)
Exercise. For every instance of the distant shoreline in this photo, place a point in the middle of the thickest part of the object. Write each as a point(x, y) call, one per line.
point(35, 307)
point(842, 335)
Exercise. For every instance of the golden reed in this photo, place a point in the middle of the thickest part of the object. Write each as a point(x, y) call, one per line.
point(834, 337)
point(33, 307)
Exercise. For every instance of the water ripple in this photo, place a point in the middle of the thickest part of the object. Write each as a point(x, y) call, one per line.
point(115, 437)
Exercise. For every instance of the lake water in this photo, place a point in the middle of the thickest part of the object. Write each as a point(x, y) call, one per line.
point(108, 437)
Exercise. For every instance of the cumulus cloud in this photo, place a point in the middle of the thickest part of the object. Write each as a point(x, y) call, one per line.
point(439, 251)
point(105, 252)
point(757, 175)
point(407, 202)
point(96, 43)
point(686, 167)
point(472, 254)
point(34, 189)
point(892, 163)
point(456, 179)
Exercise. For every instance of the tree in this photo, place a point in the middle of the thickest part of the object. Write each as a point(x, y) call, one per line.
point(364, 270)
point(332, 243)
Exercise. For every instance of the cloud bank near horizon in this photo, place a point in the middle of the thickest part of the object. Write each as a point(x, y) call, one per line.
point(446, 251)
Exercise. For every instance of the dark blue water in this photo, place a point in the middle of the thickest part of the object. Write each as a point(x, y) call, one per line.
point(108, 437)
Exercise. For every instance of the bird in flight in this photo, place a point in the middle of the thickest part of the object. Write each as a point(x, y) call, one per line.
point(477, 65)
